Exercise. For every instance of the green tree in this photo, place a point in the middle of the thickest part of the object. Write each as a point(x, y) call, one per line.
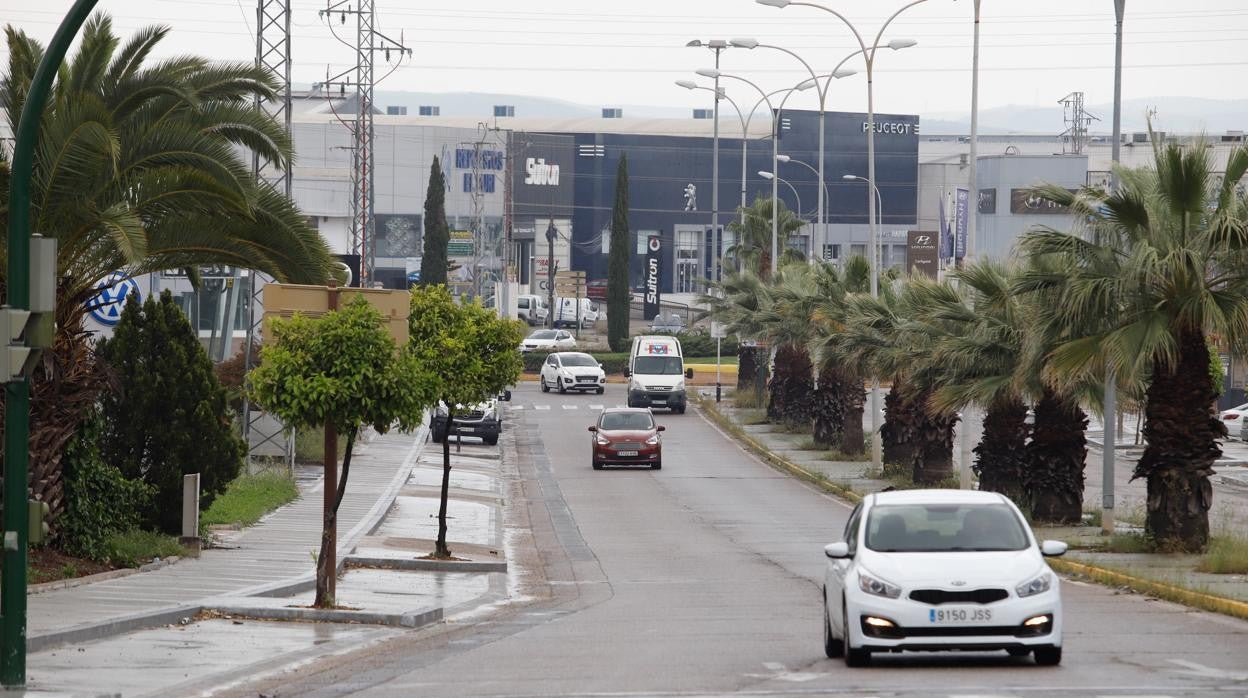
point(341, 371)
point(434, 261)
point(164, 377)
point(1149, 272)
point(142, 165)
point(619, 294)
point(839, 397)
point(471, 353)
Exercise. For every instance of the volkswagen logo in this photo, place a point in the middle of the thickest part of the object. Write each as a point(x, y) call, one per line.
point(958, 583)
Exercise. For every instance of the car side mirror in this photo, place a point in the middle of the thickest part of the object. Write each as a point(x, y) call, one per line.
point(836, 551)
point(506, 396)
point(627, 372)
point(688, 373)
point(592, 428)
point(660, 428)
point(1053, 548)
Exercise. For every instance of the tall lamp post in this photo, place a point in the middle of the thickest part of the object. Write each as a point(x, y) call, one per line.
point(718, 46)
point(775, 144)
point(877, 445)
point(822, 184)
point(1111, 437)
point(823, 89)
point(868, 54)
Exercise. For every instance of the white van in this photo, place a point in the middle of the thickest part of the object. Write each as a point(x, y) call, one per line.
point(566, 312)
point(532, 309)
point(656, 373)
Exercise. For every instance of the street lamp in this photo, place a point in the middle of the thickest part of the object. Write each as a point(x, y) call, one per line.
point(868, 54)
point(796, 197)
point(823, 185)
point(876, 443)
point(837, 73)
point(876, 257)
point(775, 141)
point(718, 46)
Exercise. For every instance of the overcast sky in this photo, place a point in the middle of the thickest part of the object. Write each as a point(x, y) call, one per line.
point(606, 52)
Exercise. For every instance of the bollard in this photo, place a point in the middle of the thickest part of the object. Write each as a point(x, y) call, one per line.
point(190, 510)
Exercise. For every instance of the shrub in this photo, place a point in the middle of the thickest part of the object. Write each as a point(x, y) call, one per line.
point(134, 548)
point(99, 501)
point(169, 417)
point(232, 372)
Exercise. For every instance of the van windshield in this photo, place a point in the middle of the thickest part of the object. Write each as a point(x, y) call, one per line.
point(658, 365)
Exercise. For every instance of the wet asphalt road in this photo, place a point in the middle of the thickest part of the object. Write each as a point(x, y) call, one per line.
point(703, 579)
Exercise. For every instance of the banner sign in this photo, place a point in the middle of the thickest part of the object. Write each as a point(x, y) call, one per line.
point(1023, 201)
point(946, 233)
point(653, 260)
point(961, 212)
point(987, 201)
point(921, 252)
point(460, 244)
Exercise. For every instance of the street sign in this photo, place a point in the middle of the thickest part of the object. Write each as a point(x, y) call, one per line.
point(284, 300)
point(717, 330)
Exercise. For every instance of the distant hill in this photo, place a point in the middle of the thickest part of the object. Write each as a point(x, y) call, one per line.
point(1173, 114)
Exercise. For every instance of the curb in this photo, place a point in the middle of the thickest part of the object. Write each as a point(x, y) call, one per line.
point(411, 619)
point(113, 626)
point(1168, 592)
point(762, 452)
point(99, 577)
point(422, 565)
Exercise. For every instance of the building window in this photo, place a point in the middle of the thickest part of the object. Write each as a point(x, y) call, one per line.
point(430, 111)
point(396, 111)
point(612, 113)
point(857, 250)
point(704, 113)
point(504, 110)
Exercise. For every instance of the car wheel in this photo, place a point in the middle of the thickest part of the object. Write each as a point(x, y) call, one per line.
point(679, 410)
point(854, 656)
point(545, 388)
point(562, 389)
point(597, 465)
point(490, 440)
point(832, 647)
point(600, 391)
point(657, 465)
point(1018, 651)
point(1048, 656)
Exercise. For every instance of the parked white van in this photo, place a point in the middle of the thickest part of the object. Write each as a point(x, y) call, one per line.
point(532, 309)
point(656, 373)
point(566, 312)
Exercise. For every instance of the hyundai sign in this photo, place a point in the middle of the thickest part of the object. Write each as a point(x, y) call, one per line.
point(650, 308)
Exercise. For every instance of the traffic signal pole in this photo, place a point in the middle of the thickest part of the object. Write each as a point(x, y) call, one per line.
point(17, 392)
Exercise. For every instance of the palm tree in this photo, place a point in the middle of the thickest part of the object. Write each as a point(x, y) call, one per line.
point(1148, 273)
point(734, 301)
point(141, 167)
point(839, 397)
point(786, 320)
point(752, 247)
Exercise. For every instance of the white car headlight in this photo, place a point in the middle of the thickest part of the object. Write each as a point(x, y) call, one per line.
point(1039, 585)
point(603, 441)
point(653, 440)
point(878, 587)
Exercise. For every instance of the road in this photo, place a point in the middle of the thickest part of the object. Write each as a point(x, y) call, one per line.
point(703, 579)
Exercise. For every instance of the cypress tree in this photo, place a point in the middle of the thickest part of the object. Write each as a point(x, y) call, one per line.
point(168, 416)
point(619, 295)
point(434, 261)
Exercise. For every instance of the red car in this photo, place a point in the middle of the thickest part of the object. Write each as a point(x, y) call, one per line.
point(597, 290)
point(627, 436)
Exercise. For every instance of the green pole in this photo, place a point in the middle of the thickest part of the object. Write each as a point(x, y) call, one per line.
point(17, 393)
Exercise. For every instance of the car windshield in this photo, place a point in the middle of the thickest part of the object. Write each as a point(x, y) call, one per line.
point(943, 528)
point(617, 421)
point(577, 360)
point(657, 365)
point(543, 334)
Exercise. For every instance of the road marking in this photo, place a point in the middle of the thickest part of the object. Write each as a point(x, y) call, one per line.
point(543, 408)
point(780, 672)
point(517, 407)
point(1208, 672)
point(569, 407)
point(595, 407)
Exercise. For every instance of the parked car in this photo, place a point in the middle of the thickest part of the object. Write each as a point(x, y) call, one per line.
point(570, 370)
point(532, 309)
point(1234, 419)
point(940, 569)
point(626, 436)
point(597, 290)
point(483, 420)
point(548, 340)
point(569, 310)
point(671, 323)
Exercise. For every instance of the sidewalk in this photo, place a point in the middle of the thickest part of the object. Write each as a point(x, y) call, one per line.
point(1172, 576)
point(273, 556)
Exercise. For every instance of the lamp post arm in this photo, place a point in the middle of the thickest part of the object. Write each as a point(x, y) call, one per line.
point(880, 34)
point(832, 76)
point(814, 76)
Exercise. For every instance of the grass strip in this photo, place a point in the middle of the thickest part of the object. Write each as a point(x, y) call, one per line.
point(250, 497)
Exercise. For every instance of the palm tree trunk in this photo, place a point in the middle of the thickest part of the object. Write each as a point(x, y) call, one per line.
point(837, 408)
point(792, 385)
point(999, 461)
point(747, 366)
point(897, 432)
point(932, 458)
point(1182, 433)
point(1056, 457)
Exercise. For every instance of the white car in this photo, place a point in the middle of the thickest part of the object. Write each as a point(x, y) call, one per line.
point(1234, 419)
point(570, 370)
point(924, 570)
point(548, 340)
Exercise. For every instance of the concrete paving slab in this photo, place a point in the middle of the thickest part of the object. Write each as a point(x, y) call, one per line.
point(417, 517)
